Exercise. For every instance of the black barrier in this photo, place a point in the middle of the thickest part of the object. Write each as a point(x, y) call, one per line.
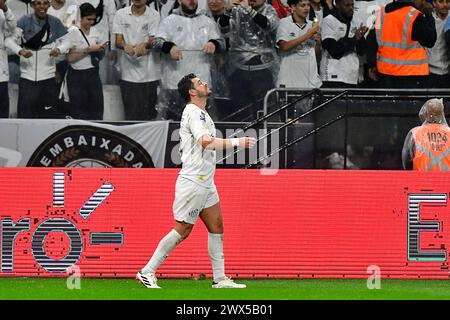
point(371, 134)
point(369, 137)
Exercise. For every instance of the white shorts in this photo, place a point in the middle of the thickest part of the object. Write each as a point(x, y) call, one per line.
point(191, 198)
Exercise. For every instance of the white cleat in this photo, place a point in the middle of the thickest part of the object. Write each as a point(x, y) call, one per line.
point(148, 279)
point(228, 283)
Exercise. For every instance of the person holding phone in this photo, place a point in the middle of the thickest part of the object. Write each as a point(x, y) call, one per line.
point(83, 82)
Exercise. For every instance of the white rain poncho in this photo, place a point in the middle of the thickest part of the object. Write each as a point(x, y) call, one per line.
point(248, 39)
point(431, 113)
point(190, 34)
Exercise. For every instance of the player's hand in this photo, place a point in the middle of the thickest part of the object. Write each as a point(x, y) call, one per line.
point(175, 53)
point(361, 31)
point(95, 48)
point(314, 31)
point(233, 3)
point(105, 45)
point(129, 49)
point(247, 142)
point(112, 55)
point(25, 53)
point(372, 73)
point(54, 52)
point(317, 37)
point(209, 48)
point(244, 4)
point(140, 49)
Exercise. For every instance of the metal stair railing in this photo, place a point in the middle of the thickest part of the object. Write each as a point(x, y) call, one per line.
point(259, 120)
point(287, 145)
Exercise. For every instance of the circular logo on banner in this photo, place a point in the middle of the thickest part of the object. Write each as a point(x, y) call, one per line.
point(83, 146)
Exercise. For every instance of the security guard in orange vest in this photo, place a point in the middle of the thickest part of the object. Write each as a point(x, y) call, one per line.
point(396, 55)
point(427, 147)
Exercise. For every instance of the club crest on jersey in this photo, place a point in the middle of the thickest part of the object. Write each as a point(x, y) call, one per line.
point(203, 116)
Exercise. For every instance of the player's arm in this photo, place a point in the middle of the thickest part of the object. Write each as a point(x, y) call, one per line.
point(408, 152)
point(287, 45)
point(212, 143)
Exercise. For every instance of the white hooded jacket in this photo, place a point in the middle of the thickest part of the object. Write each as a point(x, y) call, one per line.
point(7, 25)
point(40, 66)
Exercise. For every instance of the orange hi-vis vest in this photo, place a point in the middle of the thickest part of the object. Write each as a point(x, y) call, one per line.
point(432, 143)
point(397, 54)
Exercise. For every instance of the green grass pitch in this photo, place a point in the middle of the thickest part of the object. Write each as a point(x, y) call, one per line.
point(189, 289)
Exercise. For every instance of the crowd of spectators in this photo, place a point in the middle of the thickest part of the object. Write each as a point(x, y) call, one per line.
point(61, 52)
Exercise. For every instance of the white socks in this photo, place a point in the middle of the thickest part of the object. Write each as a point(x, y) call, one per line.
point(215, 249)
point(165, 246)
point(172, 239)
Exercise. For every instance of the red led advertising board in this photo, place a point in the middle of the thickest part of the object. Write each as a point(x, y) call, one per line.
point(292, 224)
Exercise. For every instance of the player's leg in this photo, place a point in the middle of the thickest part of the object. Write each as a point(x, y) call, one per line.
point(187, 205)
point(165, 247)
point(212, 218)
point(167, 244)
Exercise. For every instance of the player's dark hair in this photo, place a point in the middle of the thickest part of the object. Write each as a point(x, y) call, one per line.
point(184, 85)
point(87, 9)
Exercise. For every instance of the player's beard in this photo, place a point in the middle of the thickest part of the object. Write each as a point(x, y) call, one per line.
point(205, 94)
point(188, 11)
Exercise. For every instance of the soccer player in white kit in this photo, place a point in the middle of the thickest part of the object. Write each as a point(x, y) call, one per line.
point(195, 191)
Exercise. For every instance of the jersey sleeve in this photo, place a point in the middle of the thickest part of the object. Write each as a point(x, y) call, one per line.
point(197, 124)
point(118, 23)
point(154, 23)
point(283, 32)
point(328, 29)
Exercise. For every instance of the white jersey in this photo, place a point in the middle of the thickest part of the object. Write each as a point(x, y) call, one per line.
point(298, 66)
point(67, 13)
point(78, 42)
point(106, 24)
point(198, 164)
point(346, 68)
point(319, 15)
point(365, 13)
point(135, 30)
